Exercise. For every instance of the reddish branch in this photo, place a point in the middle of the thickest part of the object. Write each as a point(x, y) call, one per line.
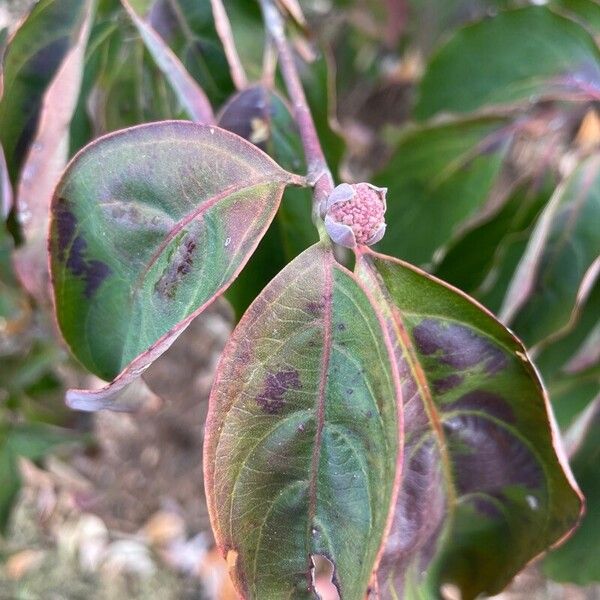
point(319, 174)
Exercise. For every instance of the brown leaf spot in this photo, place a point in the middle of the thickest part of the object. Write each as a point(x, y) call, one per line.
point(179, 266)
point(276, 385)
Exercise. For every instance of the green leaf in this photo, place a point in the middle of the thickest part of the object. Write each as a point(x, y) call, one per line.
point(586, 12)
point(483, 489)
point(511, 58)
point(319, 83)
point(102, 36)
point(148, 226)
point(570, 365)
point(13, 305)
point(189, 93)
point(187, 26)
point(10, 484)
point(129, 89)
point(33, 441)
point(32, 58)
point(561, 260)
point(470, 259)
point(577, 560)
point(571, 395)
point(429, 19)
point(45, 161)
point(307, 378)
point(438, 177)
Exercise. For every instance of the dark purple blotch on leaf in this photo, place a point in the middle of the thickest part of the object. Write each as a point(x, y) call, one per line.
point(276, 385)
point(314, 308)
point(93, 272)
point(488, 457)
point(458, 346)
point(484, 402)
point(66, 224)
point(486, 507)
point(445, 384)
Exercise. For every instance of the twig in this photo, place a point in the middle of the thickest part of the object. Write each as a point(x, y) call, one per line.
point(269, 63)
point(397, 13)
point(319, 174)
point(223, 27)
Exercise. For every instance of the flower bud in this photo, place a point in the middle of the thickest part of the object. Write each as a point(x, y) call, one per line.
point(354, 214)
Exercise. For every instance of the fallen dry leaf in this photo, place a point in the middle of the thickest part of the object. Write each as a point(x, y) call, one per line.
point(21, 563)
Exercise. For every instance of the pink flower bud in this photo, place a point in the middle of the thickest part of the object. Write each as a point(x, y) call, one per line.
point(354, 214)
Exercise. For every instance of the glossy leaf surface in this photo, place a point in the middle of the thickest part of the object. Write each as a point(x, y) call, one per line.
point(34, 54)
point(307, 377)
point(472, 260)
point(559, 260)
point(438, 177)
point(576, 561)
point(511, 58)
point(570, 364)
point(148, 226)
point(483, 490)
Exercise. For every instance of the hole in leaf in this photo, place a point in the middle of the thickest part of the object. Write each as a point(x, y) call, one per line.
point(323, 572)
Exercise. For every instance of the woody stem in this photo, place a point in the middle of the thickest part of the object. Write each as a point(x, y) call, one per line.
point(319, 174)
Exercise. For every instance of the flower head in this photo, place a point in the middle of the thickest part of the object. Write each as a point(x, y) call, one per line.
point(354, 214)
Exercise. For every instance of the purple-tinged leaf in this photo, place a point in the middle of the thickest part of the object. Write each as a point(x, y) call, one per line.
point(127, 393)
point(34, 53)
point(149, 225)
point(302, 435)
point(560, 264)
point(189, 93)
point(46, 161)
point(485, 485)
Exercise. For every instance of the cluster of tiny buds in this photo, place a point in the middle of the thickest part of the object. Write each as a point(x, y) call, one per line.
point(354, 214)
